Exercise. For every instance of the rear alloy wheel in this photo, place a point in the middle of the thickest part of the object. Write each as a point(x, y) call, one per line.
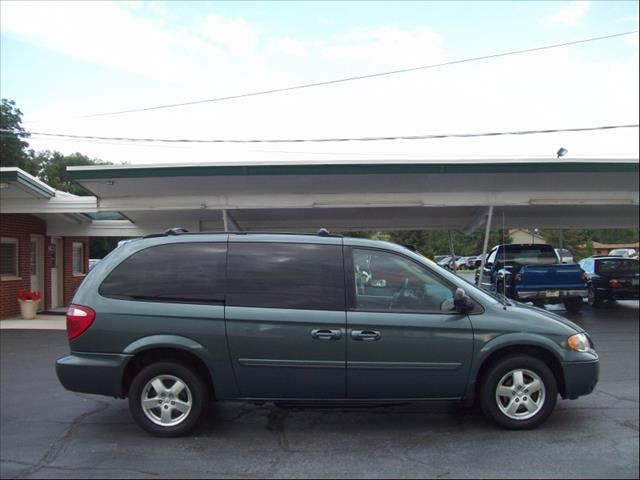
point(167, 399)
point(519, 393)
point(593, 298)
point(573, 305)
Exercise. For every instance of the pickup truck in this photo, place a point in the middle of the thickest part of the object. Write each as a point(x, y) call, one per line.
point(533, 273)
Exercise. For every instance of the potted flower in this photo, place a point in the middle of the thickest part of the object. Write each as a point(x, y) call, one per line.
point(28, 301)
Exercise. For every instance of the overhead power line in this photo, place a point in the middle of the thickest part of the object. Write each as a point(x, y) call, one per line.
point(327, 140)
point(359, 77)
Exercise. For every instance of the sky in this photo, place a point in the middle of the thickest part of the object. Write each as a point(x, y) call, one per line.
point(61, 61)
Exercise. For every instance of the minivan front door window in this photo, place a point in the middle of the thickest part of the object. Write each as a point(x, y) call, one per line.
point(388, 282)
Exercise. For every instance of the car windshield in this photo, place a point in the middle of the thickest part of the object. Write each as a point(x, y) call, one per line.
point(528, 255)
point(617, 266)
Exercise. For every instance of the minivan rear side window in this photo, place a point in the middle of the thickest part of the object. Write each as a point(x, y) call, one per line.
point(285, 275)
point(178, 272)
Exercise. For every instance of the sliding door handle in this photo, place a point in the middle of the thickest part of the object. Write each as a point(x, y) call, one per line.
point(365, 335)
point(326, 334)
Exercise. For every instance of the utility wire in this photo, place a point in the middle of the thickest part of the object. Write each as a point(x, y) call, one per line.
point(326, 140)
point(360, 77)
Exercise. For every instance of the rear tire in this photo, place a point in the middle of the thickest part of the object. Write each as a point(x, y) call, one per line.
point(573, 305)
point(518, 392)
point(593, 298)
point(167, 398)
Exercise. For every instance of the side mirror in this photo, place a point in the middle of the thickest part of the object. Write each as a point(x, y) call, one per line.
point(462, 301)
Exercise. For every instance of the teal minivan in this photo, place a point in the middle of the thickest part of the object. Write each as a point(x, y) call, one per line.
point(176, 320)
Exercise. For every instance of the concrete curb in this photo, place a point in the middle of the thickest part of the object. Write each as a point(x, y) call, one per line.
point(41, 322)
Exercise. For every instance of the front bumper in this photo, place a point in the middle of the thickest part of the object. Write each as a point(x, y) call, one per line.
point(542, 294)
point(93, 373)
point(580, 378)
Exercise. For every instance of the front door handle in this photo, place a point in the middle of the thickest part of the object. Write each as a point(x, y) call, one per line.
point(365, 335)
point(326, 334)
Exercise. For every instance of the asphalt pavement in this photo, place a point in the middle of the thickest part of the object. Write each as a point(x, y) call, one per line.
point(48, 432)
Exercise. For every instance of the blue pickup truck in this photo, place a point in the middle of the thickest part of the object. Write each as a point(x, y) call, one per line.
point(533, 273)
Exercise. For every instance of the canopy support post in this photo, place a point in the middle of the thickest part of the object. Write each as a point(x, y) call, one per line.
point(453, 253)
point(230, 224)
point(487, 232)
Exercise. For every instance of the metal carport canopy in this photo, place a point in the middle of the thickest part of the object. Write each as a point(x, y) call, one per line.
point(365, 195)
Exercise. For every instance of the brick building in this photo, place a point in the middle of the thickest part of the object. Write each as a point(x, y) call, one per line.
point(605, 248)
point(31, 258)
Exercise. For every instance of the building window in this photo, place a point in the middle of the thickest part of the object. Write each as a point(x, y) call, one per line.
point(78, 258)
point(8, 258)
point(34, 257)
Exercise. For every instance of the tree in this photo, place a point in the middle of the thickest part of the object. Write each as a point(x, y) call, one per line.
point(53, 169)
point(12, 144)
point(615, 235)
point(436, 242)
point(580, 242)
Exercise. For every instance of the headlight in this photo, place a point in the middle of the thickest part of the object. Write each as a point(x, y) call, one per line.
point(578, 342)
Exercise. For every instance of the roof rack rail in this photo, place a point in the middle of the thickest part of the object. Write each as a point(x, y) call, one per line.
point(169, 231)
point(176, 231)
point(323, 232)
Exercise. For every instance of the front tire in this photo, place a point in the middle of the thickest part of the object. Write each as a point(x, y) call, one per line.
point(518, 392)
point(167, 398)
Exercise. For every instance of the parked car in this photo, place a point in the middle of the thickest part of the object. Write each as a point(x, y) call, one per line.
point(471, 261)
point(174, 321)
point(445, 262)
point(531, 273)
point(622, 252)
point(478, 261)
point(437, 258)
point(564, 255)
point(611, 278)
point(461, 263)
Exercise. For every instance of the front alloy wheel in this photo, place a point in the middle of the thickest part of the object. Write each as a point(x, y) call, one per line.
point(518, 392)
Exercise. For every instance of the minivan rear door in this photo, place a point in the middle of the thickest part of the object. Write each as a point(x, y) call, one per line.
point(404, 338)
point(285, 316)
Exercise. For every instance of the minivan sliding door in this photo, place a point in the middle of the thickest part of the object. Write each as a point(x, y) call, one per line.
point(285, 316)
